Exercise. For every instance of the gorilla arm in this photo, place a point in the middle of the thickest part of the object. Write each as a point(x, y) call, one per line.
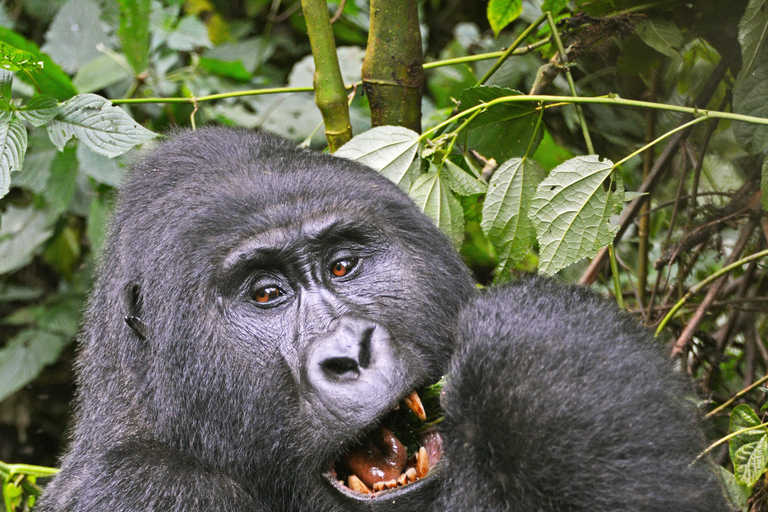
point(558, 401)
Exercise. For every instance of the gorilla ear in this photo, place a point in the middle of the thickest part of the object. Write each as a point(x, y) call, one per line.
point(134, 305)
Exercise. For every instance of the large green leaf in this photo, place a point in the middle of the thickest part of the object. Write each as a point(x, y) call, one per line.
point(461, 182)
point(505, 210)
point(189, 34)
point(503, 12)
point(101, 72)
point(13, 145)
point(13, 59)
point(748, 450)
point(388, 149)
point(22, 232)
point(51, 79)
point(571, 211)
point(40, 110)
point(503, 131)
point(105, 129)
point(134, 31)
point(737, 493)
point(434, 198)
point(661, 35)
point(753, 34)
point(750, 97)
point(75, 34)
point(25, 355)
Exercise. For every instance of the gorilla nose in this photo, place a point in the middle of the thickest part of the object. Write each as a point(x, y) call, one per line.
point(349, 352)
point(344, 353)
point(352, 366)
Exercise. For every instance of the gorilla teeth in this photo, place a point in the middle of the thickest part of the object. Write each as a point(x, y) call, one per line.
point(356, 484)
point(378, 462)
point(414, 403)
point(422, 462)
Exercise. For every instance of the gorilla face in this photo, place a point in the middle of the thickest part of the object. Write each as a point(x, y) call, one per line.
point(263, 312)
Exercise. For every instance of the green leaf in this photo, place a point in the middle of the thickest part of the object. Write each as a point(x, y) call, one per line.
point(748, 450)
point(572, 211)
point(13, 145)
point(134, 32)
point(503, 12)
point(743, 416)
point(750, 97)
point(25, 355)
point(749, 461)
point(51, 80)
point(37, 164)
point(554, 6)
point(109, 171)
point(100, 73)
point(737, 494)
point(6, 83)
point(503, 131)
point(189, 34)
point(388, 149)
point(661, 35)
point(22, 232)
point(753, 34)
point(13, 59)
point(432, 196)
point(234, 70)
point(105, 129)
point(462, 182)
point(250, 53)
point(61, 185)
point(40, 110)
point(505, 210)
point(75, 34)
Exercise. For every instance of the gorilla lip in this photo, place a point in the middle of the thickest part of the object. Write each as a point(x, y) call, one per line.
point(380, 462)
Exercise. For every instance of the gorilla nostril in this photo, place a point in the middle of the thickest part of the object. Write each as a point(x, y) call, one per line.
point(364, 357)
point(340, 368)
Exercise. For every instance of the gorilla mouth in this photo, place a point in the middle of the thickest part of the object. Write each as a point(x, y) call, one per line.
point(398, 451)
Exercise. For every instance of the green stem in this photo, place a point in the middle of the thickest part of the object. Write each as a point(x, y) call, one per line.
point(330, 94)
point(736, 396)
point(659, 139)
point(8, 471)
point(571, 85)
point(484, 56)
point(210, 97)
point(615, 273)
point(600, 100)
point(695, 288)
point(511, 49)
point(728, 438)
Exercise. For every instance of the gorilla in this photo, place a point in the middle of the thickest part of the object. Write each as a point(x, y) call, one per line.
point(267, 331)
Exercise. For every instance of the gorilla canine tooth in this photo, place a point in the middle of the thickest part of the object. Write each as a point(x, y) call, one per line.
point(414, 403)
point(422, 462)
point(356, 484)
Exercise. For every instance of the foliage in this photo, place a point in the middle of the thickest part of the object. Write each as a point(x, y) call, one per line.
point(520, 182)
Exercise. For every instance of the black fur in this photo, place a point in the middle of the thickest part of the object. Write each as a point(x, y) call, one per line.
point(558, 401)
point(194, 395)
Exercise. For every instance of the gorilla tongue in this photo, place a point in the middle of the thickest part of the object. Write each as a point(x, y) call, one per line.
point(380, 458)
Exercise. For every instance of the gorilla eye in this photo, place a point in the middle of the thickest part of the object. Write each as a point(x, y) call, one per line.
point(342, 267)
point(267, 294)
